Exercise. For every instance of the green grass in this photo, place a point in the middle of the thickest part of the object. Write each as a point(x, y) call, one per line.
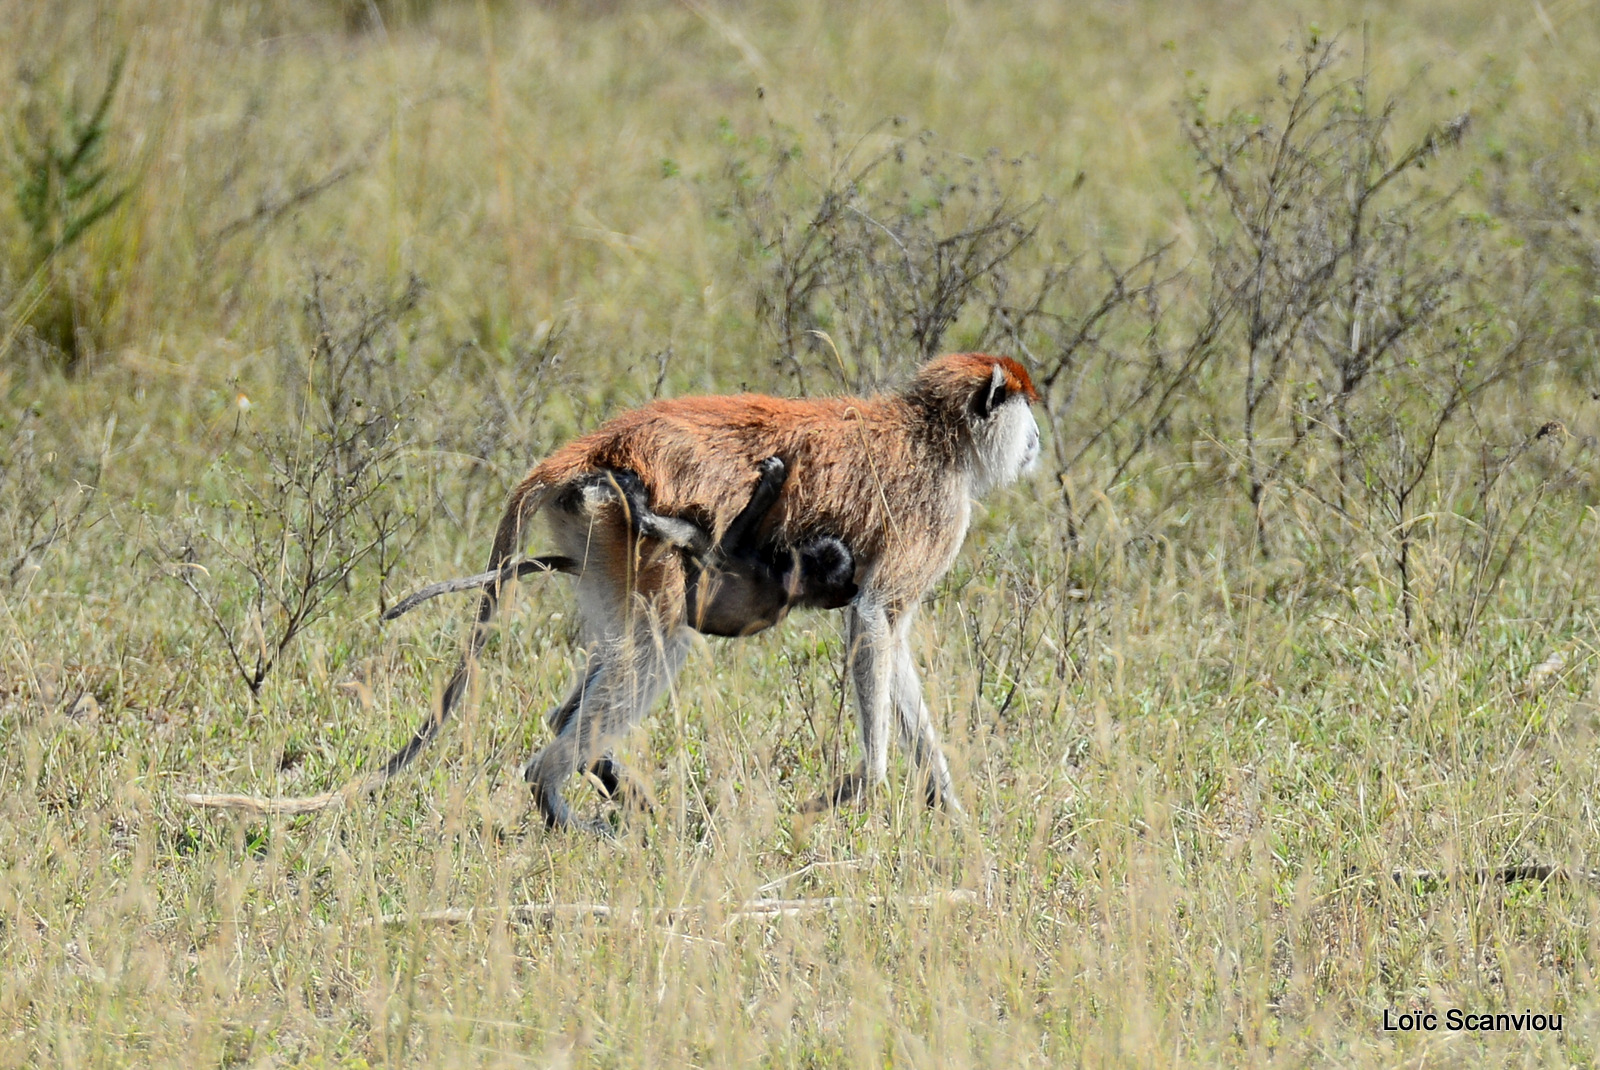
point(1190, 770)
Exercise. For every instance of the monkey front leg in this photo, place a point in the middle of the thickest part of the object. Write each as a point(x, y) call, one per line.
point(916, 727)
point(885, 676)
point(869, 639)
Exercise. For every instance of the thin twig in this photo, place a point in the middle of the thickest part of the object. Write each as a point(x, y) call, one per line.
point(547, 914)
point(1497, 874)
point(289, 805)
point(268, 211)
point(764, 909)
point(810, 867)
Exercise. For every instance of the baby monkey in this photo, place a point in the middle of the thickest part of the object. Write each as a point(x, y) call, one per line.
point(735, 586)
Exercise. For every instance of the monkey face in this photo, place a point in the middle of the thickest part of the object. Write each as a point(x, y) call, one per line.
point(1005, 444)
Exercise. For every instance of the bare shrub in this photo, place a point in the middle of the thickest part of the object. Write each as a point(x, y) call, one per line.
point(1336, 348)
point(880, 244)
point(1546, 193)
point(1370, 322)
point(1332, 263)
point(878, 249)
point(1118, 353)
point(299, 511)
point(516, 384)
point(34, 514)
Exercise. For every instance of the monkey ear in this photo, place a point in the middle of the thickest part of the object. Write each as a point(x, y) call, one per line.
point(991, 395)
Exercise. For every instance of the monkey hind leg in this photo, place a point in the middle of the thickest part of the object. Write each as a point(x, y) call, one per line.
point(549, 769)
point(616, 783)
point(613, 779)
point(622, 682)
point(546, 773)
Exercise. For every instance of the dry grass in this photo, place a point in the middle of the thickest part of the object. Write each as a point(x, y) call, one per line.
point(1190, 770)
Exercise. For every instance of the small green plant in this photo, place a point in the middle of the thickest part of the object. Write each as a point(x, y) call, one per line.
point(264, 564)
point(64, 186)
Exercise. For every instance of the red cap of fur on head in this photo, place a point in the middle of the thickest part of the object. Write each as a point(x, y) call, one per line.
point(1017, 378)
point(955, 371)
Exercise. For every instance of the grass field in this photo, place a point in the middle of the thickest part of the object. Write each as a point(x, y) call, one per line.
point(1286, 612)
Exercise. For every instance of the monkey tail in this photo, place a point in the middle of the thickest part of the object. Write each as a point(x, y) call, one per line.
point(525, 502)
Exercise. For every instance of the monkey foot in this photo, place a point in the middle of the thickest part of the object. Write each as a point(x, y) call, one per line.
point(943, 797)
point(598, 827)
point(853, 787)
point(617, 783)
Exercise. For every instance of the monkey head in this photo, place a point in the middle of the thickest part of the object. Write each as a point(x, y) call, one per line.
point(996, 427)
point(821, 574)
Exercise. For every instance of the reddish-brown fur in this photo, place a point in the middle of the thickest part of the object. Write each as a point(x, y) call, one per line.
point(892, 476)
point(882, 471)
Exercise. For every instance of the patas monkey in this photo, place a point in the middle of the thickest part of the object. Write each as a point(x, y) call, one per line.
point(892, 477)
